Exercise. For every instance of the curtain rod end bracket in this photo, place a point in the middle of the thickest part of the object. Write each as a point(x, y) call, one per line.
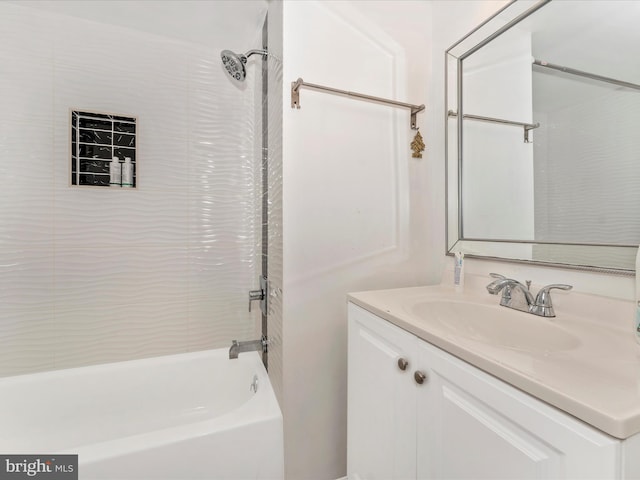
point(414, 114)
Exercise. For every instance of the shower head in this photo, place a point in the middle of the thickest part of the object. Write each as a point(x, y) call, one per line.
point(234, 63)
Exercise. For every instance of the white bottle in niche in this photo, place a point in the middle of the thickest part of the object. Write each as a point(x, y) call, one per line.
point(127, 173)
point(115, 173)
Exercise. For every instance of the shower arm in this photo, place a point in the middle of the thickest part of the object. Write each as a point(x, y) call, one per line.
point(295, 98)
point(256, 52)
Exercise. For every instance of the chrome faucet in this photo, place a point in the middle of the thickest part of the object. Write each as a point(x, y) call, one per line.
point(515, 295)
point(250, 346)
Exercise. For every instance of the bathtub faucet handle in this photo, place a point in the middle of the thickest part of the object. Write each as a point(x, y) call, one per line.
point(262, 294)
point(255, 295)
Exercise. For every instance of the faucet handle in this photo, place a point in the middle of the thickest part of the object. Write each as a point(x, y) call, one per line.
point(543, 304)
point(544, 295)
point(255, 295)
point(492, 287)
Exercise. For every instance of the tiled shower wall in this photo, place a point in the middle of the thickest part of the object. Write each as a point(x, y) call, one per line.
point(92, 275)
point(275, 246)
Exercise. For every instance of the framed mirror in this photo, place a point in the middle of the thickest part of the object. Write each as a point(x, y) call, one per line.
point(543, 115)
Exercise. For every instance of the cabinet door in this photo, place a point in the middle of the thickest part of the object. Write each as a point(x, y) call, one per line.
point(381, 408)
point(472, 425)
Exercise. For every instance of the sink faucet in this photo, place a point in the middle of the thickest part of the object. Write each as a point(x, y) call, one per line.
point(523, 299)
point(250, 346)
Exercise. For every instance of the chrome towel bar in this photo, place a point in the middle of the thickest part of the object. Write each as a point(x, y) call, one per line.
point(295, 98)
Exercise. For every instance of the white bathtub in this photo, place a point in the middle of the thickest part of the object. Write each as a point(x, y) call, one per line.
point(187, 416)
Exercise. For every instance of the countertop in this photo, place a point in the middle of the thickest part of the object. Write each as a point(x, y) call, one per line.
point(597, 380)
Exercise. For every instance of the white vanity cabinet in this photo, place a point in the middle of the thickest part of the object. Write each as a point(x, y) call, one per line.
point(381, 417)
point(460, 422)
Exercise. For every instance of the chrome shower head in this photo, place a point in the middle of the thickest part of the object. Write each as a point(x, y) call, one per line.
point(234, 63)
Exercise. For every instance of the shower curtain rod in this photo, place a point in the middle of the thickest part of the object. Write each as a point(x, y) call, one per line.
point(581, 73)
point(295, 98)
point(527, 126)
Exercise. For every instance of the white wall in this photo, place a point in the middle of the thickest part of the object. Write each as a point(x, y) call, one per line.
point(354, 200)
point(91, 275)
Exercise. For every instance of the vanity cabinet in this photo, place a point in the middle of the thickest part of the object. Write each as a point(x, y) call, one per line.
point(416, 411)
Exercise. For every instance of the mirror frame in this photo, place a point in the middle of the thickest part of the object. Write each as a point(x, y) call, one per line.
point(498, 249)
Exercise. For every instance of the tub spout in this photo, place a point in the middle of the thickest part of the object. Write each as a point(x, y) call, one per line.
point(251, 346)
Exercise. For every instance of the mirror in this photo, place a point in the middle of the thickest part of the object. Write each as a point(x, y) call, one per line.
point(543, 114)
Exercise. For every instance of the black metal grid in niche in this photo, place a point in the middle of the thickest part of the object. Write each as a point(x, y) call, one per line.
point(96, 139)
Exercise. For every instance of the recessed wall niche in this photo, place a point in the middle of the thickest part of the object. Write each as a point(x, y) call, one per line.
point(103, 150)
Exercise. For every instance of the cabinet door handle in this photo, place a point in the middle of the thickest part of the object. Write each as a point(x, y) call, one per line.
point(402, 363)
point(419, 377)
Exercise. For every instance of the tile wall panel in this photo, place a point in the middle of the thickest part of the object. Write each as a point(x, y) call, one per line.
point(28, 337)
point(26, 69)
point(275, 103)
point(100, 333)
point(26, 277)
point(26, 206)
point(91, 275)
point(222, 222)
point(99, 217)
point(119, 275)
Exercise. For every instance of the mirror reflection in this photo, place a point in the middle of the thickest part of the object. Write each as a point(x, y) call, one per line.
point(543, 162)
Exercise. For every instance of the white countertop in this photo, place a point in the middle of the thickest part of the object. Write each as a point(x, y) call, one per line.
point(596, 380)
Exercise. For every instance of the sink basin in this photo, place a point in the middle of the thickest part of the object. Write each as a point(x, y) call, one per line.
point(496, 326)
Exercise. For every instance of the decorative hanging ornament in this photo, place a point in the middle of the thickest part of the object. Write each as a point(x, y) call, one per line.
point(417, 145)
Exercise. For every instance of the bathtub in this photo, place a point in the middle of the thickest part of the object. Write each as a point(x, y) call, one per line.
point(186, 416)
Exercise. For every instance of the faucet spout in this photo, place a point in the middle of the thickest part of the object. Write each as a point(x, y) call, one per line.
point(250, 346)
point(510, 284)
point(514, 294)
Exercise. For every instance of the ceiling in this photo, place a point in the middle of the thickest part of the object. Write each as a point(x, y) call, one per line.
point(232, 24)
